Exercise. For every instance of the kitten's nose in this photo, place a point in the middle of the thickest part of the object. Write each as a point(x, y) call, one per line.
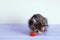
point(37, 31)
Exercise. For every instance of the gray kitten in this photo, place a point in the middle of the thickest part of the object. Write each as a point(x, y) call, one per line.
point(38, 23)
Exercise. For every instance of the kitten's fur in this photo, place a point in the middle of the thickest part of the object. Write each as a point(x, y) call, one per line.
point(38, 23)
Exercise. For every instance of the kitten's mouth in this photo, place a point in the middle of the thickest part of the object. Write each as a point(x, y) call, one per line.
point(40, 32)
point(37, 31)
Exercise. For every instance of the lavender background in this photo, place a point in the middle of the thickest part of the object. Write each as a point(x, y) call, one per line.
point(21, 32)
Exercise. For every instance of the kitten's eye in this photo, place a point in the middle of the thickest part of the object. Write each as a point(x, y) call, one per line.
point(45, 25)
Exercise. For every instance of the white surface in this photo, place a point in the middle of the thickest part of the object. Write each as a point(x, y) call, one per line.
point(19, 11)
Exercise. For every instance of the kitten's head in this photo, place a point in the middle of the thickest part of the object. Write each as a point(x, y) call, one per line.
point(39, 28)
point(36, 24)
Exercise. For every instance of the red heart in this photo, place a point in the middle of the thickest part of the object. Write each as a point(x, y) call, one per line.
point(33, 34)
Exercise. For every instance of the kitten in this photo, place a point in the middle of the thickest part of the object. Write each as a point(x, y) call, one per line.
point(38, 23)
